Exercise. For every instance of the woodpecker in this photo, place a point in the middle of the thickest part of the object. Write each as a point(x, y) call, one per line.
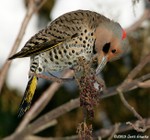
point(58, 46)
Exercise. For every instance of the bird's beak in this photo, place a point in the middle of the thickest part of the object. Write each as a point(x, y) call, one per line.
point(103, 61)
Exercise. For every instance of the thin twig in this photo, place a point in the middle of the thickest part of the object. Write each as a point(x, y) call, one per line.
point(136, 114)
point(140, 126)
point(49, 124)
point(145, 84)
point(52, 78)
point(115, 131)
point(129, 106)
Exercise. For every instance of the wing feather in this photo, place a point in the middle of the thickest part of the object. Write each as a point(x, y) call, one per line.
point(42, 47)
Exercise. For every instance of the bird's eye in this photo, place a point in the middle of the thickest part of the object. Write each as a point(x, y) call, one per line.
point(113, 51)
point(106, 47)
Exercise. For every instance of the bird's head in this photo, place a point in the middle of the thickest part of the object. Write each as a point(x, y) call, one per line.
point(110, 44)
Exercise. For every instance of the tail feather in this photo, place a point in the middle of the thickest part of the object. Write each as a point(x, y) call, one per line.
point(27, 98)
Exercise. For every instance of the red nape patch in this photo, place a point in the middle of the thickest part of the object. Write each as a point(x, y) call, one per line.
point(124, 34)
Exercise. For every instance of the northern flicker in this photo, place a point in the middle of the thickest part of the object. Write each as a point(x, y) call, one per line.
point(75, 34)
